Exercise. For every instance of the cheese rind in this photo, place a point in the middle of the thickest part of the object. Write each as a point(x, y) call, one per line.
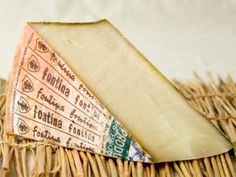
point(134, 91)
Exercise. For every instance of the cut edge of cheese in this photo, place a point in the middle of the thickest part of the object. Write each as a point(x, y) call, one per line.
point(133, 90)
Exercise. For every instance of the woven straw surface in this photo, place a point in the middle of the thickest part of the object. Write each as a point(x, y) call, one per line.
point(217, 101)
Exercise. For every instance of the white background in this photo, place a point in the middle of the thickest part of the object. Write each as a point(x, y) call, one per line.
point(177, 36)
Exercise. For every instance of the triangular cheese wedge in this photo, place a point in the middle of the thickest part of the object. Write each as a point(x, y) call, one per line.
point(126, 83)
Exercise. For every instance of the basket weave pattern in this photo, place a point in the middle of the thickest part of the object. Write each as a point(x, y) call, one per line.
point(217, 102)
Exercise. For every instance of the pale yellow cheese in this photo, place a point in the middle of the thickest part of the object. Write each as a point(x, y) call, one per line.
point(134, 91)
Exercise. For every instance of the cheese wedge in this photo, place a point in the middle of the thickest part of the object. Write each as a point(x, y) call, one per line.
point(133, 90)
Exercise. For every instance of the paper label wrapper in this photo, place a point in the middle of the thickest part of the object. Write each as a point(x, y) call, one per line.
point(48, 102)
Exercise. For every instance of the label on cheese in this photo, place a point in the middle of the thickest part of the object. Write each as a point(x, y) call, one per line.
point(48, 102)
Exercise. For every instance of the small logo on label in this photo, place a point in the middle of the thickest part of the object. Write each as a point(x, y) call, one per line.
point(22, 127)
point(54, 57)
point(40, 46)
point(23, 105)
point(27, 84)
point(33, 64)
